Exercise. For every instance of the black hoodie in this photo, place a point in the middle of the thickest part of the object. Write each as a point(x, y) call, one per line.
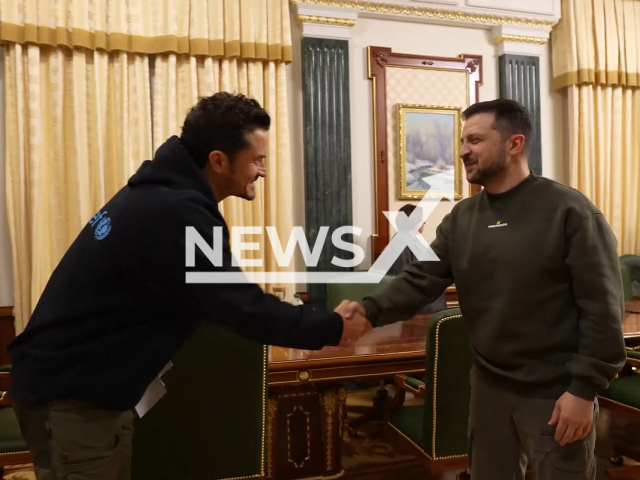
point(117, 307)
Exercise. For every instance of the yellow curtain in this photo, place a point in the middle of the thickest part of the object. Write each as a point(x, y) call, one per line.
point(79, 123)
point(78, 108)
point(605, 155)
point(179, 81)
point(597, 42)
point(249, 29)
point(596, 48)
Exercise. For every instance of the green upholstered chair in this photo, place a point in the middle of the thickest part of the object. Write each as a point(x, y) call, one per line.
point(630, 270)
point(633, 357)
point(13, 448)
point(337, 292)
point(436, 432)
point(623, 398)
point(212, 421)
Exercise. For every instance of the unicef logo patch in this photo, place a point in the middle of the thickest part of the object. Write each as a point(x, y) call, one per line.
point(102, 225)
point(103, 228)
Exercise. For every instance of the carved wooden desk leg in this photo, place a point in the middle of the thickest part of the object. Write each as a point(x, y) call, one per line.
point(333, 401)
point(305, 432)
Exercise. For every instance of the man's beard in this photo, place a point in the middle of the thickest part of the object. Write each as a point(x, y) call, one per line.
point(494, 169)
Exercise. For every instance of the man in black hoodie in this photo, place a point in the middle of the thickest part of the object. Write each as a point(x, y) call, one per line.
point(117, 307)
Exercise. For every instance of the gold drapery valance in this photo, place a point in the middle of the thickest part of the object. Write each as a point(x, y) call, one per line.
point(246, 29)
point(597, 42)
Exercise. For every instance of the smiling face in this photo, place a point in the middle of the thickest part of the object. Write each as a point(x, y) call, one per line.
point(483, 151)
point(236, 176)
point(248, 165)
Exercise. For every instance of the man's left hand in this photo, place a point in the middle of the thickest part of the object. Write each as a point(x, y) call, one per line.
point(573, 417)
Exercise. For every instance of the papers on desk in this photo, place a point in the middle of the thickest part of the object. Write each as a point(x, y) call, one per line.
point(155, 391)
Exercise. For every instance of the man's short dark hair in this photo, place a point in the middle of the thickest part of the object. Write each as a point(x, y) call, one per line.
point(511, 118)
point(408, 209)
point(221, 122)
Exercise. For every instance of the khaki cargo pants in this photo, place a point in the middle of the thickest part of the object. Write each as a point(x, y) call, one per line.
point(507, 433)
point(75, 441)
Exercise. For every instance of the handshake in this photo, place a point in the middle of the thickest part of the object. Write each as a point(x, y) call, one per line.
point(355, 323)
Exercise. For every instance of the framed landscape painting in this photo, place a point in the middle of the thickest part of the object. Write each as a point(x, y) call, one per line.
point(428, 148)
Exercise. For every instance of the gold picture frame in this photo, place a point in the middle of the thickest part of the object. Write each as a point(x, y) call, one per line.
point(428, 131)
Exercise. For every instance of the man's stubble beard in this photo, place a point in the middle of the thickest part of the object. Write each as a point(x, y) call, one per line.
point(496, 167)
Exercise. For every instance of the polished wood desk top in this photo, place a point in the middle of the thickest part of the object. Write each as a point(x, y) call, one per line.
point(402, 338)
point(384, 351)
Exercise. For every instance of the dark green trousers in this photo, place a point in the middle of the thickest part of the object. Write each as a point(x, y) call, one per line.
point(74, 441)
point(509, 433)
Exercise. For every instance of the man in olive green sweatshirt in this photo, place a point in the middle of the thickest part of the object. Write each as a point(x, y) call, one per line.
point(538, 280)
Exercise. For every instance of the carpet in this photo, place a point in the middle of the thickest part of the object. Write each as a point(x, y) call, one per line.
point(366, 450)
point(20, 472)
point(367, 455)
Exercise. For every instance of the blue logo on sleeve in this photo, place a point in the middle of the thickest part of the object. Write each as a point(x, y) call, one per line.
point(101, 224)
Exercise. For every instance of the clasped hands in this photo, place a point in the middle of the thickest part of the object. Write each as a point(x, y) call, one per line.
point(355, 323)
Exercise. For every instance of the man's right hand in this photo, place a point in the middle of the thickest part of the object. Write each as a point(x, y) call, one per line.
point(355, 324)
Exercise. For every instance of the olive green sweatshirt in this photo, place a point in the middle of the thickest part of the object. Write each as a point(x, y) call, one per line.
point(538, 280)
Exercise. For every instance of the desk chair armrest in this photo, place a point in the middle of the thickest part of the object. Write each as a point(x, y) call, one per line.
point(5, 375)
point(411, 385)
point(633, 357)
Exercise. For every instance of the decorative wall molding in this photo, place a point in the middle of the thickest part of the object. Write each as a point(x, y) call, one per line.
point(326, 22)
point(341, 22)
point(537, 7)
point(379, 59)
point(454, 3)
point(463, 15)
point(521, 39)
point(512, 40)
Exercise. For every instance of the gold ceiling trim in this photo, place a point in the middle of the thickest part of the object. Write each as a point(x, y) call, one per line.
point(521, 39)
point(427, 12)
point(339, 22)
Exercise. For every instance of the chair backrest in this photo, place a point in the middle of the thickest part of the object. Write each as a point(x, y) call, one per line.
point(212, 421)
point(630, 270)
point(13, 447)
point(337, 292)
point(447, 395)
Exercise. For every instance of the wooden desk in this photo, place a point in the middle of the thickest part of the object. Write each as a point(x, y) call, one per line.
point(307, 401)
point(384, 351)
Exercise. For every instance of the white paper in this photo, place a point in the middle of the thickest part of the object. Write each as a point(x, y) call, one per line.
point(155, 391)
point(165, 369)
